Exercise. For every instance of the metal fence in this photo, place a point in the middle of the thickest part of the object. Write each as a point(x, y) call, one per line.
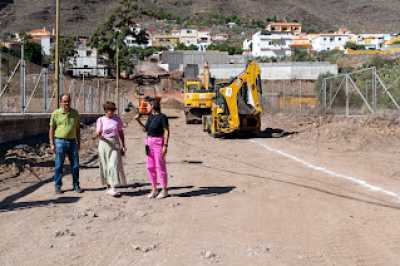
point(289, 96)
point(29, 88)
point(358, 93)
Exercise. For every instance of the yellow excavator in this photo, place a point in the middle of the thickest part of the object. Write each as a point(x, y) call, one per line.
point(238, 105)
point(198, 97)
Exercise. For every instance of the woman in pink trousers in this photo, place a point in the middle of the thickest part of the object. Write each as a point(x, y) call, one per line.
point(157, 129)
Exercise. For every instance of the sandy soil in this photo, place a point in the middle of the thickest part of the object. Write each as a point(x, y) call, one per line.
point(233, 202)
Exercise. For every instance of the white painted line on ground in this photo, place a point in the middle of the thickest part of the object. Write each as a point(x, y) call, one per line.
point(324, 170)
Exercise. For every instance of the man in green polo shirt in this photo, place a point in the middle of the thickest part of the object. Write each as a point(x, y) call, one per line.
point(64, 135)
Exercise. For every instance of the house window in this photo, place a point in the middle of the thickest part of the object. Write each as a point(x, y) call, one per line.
point(324, 39)
point(85, 66)
point(339, 39)
point(88, 53)
point(332, 39)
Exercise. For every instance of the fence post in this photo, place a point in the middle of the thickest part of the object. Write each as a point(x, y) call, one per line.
point(300, 98)
point(98, 95)
point(61, 79)
point(84, 93)
point(347, 97)
point(91, 98)
point(23, 79)
point(374, 90)
point(44, 90)
point(73, 94)
point(105, 91)
point(322, 97)
point(108, 92)
point(1, 81)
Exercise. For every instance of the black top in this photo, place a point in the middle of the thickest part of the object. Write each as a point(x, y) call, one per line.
point(156, 124)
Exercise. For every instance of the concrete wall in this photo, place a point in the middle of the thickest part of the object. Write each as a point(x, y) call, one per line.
point(177, 60)
point(276, 71)
point(17, 127)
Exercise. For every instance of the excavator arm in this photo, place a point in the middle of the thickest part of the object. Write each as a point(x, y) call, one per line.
point(242, 97)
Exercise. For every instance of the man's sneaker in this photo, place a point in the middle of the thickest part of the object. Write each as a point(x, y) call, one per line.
point(58, 191)
point(152, 194)
point(163, 194)
point(77, 189)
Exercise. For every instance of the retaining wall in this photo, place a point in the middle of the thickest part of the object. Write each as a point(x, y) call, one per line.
point(21, 127)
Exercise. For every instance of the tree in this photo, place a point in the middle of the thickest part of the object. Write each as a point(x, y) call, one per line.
point(117, 27)
point(301, 55)
point(354, 46)
point(142, 37)
point(67, 48)
point(33, 52)
point(182, 46)
point(272, 19)
point(225, 47)
point(331, 56)
point(380, 62)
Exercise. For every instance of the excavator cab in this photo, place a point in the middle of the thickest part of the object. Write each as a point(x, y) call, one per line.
point(198, 97)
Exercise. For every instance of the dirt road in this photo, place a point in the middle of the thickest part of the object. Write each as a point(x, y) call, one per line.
point(264, 201)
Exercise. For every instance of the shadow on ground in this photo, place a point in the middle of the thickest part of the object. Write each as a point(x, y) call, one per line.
point(143, 192)
point(9, 203)
point(40, 203)
point(133, 186)
point(267, 133)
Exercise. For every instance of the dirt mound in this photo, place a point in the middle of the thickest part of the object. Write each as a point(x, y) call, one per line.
point(172, 103)
point(342, 133)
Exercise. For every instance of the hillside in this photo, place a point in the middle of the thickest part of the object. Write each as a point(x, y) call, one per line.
point(83, 16)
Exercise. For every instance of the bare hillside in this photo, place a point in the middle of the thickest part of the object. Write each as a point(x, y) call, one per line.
point(83, 16)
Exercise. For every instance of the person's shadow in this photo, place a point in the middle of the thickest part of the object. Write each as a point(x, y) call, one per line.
point(193, 191)
point(205, 191)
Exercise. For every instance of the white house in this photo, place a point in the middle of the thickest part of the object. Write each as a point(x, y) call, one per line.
point(203, 40)
point(231, 25)
point(88, 62)
point(268, 44)
point(292, 27)
point(371, 41)
point(220, 37)
point(393, 42)
point(247, 44)
point(330, 41)
point(43, 37)
point(187, 37)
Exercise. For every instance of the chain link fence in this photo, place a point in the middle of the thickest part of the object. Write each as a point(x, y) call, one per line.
point(29, 88)
point(359, 93)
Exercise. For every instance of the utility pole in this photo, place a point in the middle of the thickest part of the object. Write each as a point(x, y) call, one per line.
point(57, 55)
point(1, 70)
point(117, 73)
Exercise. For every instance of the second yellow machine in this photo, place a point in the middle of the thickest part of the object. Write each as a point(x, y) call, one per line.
point(198, 97)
